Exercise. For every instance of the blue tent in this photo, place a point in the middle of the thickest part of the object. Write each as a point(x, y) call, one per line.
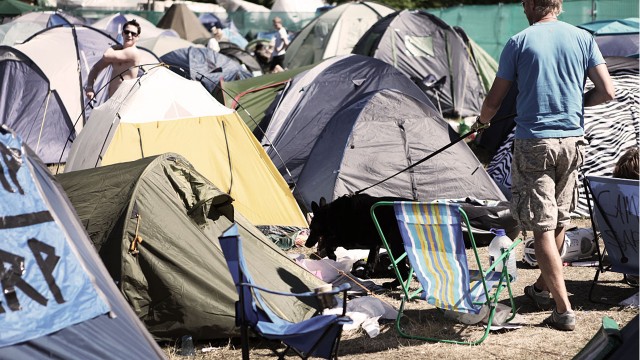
point(205, 65)
point(617, 37)
point(59, 300)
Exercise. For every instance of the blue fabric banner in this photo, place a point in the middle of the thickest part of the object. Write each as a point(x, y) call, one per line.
point(44, 287)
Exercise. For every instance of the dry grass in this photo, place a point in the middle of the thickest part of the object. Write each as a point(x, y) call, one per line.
point(531, 341)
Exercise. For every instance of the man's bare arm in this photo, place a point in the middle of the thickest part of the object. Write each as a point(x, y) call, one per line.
point(93, 74)
point(492, 102)
point(603, 86)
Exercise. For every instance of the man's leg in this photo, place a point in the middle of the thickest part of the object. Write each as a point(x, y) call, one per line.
point(559, 234)
point(550, 265)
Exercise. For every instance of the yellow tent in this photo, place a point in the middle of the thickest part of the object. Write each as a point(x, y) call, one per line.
point(162, 112)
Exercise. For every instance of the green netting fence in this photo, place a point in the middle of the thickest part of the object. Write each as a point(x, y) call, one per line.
point(488, 25)
point(492, 25)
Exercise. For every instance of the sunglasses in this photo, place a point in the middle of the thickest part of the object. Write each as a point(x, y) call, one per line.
point(127, 32)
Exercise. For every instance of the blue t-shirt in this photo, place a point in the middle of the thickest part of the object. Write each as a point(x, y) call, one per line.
point(549, 62)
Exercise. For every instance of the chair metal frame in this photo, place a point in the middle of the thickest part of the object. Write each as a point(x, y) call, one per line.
point(308, 338)
point(492, 294)
point(612, 236)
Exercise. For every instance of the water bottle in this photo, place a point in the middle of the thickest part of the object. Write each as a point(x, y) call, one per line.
point(187, 348)
point(502, 241)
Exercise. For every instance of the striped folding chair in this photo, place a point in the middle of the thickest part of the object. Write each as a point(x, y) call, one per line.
point(435, 248)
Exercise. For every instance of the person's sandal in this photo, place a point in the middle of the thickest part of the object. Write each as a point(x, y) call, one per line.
point(565, 321)
point(542, 299)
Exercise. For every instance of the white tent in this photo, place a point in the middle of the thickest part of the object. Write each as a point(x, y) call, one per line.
point(112, 25)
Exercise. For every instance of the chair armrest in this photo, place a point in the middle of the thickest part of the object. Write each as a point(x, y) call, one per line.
point(343, 288)
point(335, 291)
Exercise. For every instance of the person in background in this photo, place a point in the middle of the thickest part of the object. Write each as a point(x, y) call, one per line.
point(124, 60)
point(550, 61)
point(278, 46)
point(627, 166)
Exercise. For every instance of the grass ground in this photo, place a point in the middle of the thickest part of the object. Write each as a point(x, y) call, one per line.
point(533, 340)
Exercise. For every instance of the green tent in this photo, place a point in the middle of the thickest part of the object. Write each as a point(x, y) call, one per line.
point(176, 279)
point(10, 8)
point(252, 97)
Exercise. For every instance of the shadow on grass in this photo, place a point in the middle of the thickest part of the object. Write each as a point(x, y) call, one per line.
point(607, 295)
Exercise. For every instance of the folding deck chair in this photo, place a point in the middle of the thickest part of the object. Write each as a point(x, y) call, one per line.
point(318, 336)
point(614, 215)
point(434, 244)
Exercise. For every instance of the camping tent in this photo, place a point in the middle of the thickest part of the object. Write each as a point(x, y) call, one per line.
point(243, 57)
point(24, 26)
point(610, 129)
point(113, 24)
point(427, 49)
point(42, 97)
point(616, 37)
point(58, 299)
point(296, 11)
point(205, 65)
point(176, 278)
point(50, 18)
point(330, 124)
point(162, 112)
point(184, 21)
point(161, 45)
point(333, 33)
point(253, 97)
point(16, 32)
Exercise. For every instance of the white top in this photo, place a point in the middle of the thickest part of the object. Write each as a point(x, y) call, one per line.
point(279, 42)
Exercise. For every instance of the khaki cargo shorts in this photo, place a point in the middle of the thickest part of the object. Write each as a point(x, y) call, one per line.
point(544, 177)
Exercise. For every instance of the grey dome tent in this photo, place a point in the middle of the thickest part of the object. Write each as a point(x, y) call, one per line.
point(333, 33)
point(58, 299)
point(176, 279)
point(352, 121)
point(429, 51)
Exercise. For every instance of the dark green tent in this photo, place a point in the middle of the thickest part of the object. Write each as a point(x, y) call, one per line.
point(176, 278)
point(252, 97)
point(11, 8)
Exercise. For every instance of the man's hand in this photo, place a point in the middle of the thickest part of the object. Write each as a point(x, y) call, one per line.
point(479, 126)
point(90, 93)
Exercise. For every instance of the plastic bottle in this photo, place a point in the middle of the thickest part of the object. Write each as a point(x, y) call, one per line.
point(187, 348)
point(502, 241)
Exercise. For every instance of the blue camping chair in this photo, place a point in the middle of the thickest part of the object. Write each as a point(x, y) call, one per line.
point(435, 247)
point(614, 216)
point(318, 336)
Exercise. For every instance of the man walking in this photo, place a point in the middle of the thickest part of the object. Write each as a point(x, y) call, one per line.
point(278, 46)
point(550, 61)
